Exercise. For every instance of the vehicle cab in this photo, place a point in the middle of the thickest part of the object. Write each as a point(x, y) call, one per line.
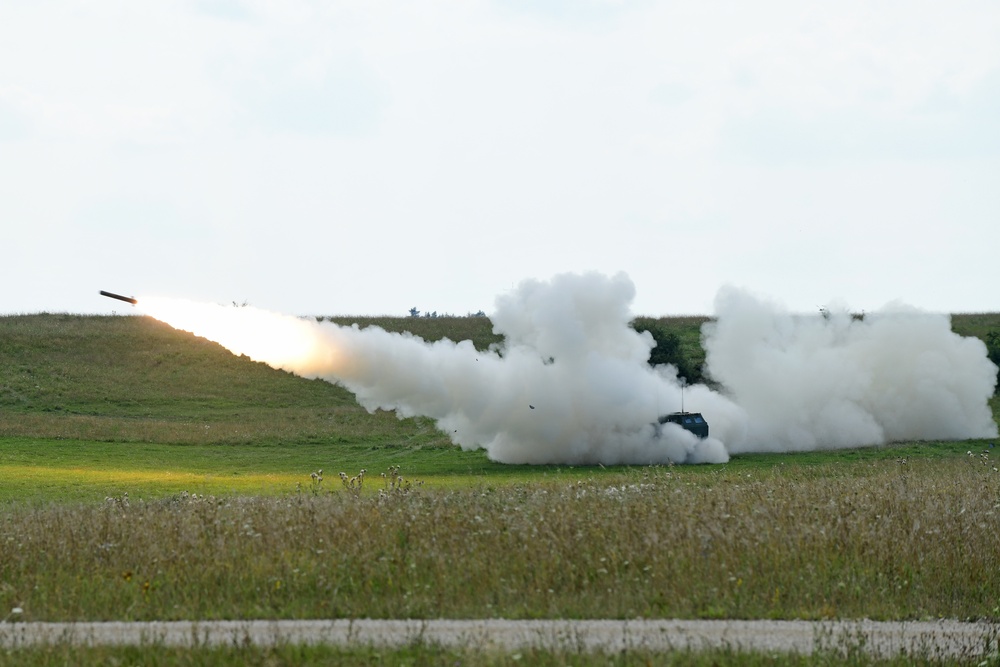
point(689, 421)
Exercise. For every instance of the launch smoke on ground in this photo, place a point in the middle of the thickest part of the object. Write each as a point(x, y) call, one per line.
point(571, 383)
point(832, 380)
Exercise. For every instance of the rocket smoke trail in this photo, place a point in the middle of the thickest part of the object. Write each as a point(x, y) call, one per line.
point(571, 384)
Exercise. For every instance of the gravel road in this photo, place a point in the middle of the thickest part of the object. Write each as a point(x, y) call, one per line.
point(935, 638)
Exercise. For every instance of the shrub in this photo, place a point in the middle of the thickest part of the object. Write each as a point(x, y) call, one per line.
point(668, 350)
point(993, 351)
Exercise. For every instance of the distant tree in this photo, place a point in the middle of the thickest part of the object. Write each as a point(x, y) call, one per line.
point(414, 312)
point(668, 350)
point(993, 351)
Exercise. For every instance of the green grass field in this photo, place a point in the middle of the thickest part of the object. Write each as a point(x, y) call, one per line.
point(148, 474)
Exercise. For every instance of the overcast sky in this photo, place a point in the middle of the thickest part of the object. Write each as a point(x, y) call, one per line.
point(367, 157)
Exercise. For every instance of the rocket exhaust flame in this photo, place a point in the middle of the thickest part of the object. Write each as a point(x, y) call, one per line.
point(571, 383)
point(281, 341)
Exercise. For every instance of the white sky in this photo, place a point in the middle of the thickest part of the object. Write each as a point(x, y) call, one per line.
point(365, 157)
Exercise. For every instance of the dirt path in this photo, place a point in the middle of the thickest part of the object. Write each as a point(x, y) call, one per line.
point(939, 638)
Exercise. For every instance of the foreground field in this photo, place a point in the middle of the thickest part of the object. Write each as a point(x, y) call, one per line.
point(890, 540)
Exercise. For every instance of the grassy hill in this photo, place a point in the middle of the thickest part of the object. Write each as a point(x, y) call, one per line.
point(133, 379)
point(99, 405)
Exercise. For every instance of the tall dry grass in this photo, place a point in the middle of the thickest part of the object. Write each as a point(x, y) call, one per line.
point(890, 540)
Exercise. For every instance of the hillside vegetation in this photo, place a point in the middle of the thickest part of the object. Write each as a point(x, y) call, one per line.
point(133, 379)
point(136, 379)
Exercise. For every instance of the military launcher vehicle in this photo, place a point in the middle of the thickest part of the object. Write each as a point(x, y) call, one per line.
point(689, 421)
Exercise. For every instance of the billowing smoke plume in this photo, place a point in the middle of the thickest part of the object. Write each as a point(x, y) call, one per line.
point(831, 380)
point(571, 383)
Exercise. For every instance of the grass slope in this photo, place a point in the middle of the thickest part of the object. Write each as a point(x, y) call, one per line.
point(99, 406)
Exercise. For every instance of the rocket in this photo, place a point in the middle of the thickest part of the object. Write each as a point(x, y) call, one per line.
point(112, 295)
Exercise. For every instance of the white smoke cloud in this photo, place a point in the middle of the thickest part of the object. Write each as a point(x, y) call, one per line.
point(571, 384)
point(823, 382)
